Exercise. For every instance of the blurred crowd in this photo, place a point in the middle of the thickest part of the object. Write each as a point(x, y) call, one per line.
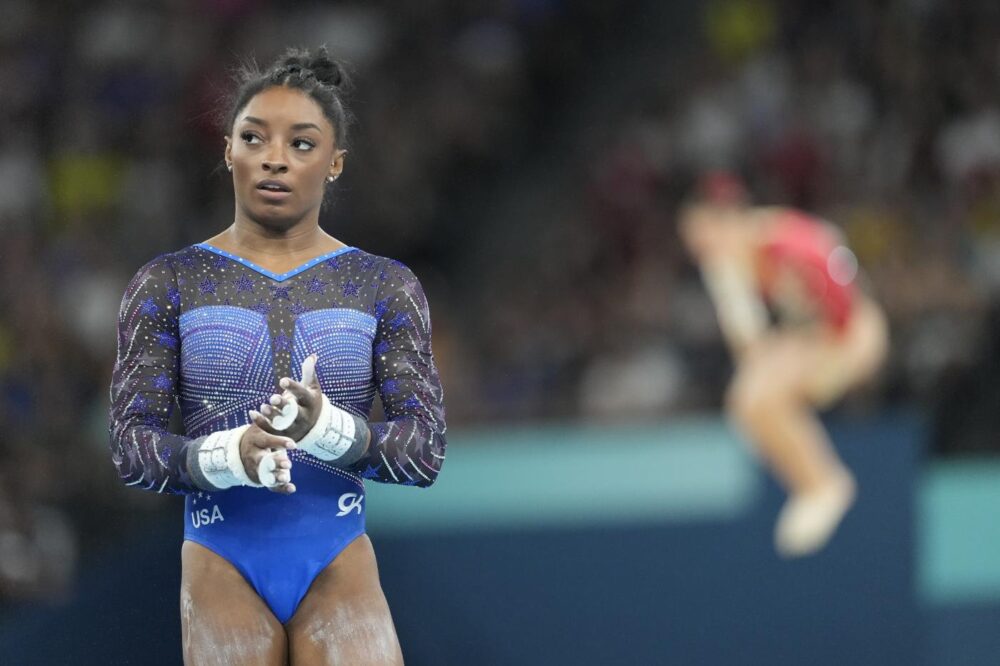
point(882, 116)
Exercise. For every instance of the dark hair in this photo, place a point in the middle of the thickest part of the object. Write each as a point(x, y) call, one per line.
point(313, 72)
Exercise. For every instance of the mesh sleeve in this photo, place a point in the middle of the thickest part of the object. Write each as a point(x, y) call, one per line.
point(144, 384)
point(409, 447)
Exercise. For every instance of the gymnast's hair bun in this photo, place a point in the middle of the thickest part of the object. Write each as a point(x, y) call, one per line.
point(311, 71)
point(316, 64)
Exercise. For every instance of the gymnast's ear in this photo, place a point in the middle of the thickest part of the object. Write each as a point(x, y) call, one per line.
point(228, 154)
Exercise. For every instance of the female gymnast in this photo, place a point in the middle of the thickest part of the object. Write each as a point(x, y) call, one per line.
point(276, 571)
point(828, 338)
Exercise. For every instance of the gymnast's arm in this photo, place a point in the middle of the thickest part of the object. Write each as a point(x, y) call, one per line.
point(409, 447)
point(741, 312)
point(143, 390)
point(721, 247)
point(144, 384)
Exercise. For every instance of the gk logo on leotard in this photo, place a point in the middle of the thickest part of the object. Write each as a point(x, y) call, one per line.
point(349, 502)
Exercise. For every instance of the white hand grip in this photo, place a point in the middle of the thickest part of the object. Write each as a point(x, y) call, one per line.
point(286, 415)
point(266, 469)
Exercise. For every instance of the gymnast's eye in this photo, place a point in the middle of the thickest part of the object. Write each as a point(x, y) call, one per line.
point(303, 144)
point(251, 138)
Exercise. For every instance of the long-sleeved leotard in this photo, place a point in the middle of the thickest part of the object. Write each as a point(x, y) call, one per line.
point(212, 332)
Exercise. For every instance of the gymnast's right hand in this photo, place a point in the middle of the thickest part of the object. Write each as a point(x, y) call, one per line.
point(294, 411)
point(264, 454)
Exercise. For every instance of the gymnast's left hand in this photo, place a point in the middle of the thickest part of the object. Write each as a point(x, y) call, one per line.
point(306, 392)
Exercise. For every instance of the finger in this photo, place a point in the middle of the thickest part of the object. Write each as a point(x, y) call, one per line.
point(300, 391)
point(283, 489)
point(274, 469)
point(266, 410)
point(278, 400)
point(309, 377)
point(281, 459)
point(265, 440)
point(278, 442)
point(258, 420)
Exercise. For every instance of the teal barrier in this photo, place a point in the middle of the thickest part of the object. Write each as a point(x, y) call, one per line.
point(648, 545)
point(695, 470)
point(959, 532)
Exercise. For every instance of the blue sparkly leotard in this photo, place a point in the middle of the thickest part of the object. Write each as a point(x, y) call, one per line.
point(213, 333)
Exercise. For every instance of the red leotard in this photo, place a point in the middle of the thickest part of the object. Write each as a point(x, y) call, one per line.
point(812, 253)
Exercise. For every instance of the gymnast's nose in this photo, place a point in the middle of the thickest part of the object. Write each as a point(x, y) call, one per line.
point(275, 160)
point(275, 165)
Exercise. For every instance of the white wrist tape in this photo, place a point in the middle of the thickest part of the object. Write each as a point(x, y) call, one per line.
point(334, 434)
point(219, 462)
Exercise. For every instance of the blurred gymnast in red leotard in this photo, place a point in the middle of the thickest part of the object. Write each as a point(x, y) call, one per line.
point(828, 337)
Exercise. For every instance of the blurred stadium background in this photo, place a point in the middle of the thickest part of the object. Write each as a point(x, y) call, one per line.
point(526, 158)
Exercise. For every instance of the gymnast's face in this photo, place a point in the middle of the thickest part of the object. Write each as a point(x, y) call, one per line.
point(282, 150)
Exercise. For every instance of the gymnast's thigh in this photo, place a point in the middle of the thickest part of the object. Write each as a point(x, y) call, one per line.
point(223, 620)
point(773, 369)
point(344, 618)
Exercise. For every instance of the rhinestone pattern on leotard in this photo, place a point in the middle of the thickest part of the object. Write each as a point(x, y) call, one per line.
point(212, 332)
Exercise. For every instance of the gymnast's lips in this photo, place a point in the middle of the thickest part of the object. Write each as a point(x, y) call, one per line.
point(273, 190)
point(272, 185)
